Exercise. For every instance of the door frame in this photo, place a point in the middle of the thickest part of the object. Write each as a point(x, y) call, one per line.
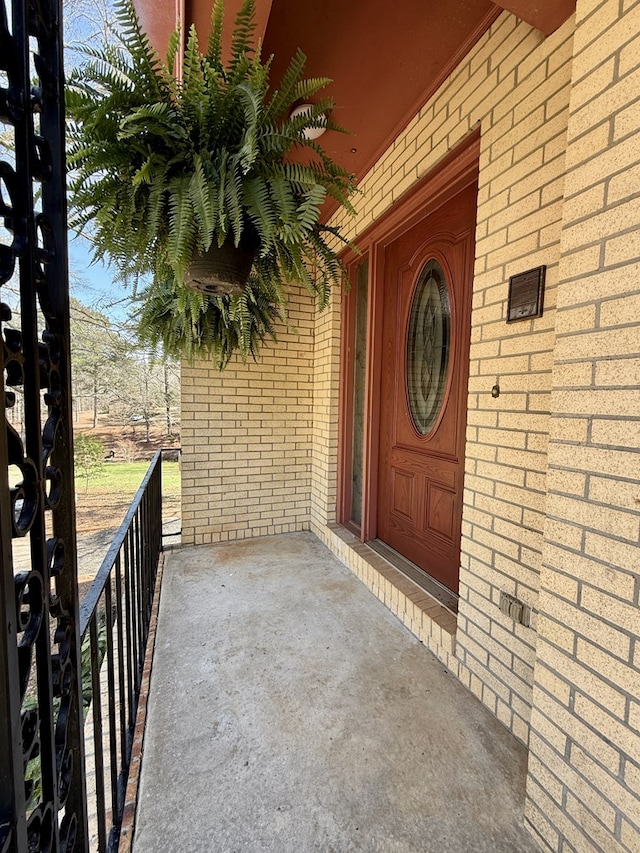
point(456, 170)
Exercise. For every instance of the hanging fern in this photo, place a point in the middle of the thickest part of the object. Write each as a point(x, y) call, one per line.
point(165, 167)
point(188, 324)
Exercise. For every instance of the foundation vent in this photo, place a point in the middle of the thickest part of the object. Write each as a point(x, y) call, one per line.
point(516, 609)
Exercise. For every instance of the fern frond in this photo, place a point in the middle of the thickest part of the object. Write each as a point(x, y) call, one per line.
point(241, 40)
point(220, 211)
point(214, 47)
point(259, 208)
point(233, 202)
point(137, 43)
point(155, 210)
point(285, 205)
point(308, 87)
point(248, 151)
point(285, 95)
point(172, 51)
point(181, 239)
point(193, 94)
point(308, 211)
point(200, 193)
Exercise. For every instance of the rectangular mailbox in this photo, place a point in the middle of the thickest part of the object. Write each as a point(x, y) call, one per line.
point(526, 295)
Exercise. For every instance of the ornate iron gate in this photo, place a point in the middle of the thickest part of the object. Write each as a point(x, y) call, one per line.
point(42, 783)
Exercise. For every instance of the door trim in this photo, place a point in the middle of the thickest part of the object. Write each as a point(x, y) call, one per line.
point(457, 170)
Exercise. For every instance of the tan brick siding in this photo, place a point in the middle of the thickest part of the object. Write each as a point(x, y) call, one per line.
point(585, 747)
point(246, 436)
point(324, 437)
point(515, 84)
point(550, 503)
point(519, 216)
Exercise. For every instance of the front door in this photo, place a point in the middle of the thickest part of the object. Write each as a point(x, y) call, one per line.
point(428, 273)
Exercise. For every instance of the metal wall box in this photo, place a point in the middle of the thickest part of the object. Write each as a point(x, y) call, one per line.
point(526, 294)
point(515, 608)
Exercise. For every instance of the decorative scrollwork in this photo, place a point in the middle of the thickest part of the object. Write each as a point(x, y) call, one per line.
point(13, 355)
point(25, 495)
point(68, 833)
point(30, 614)
point(45, 255)
point(30, 745)
point(42, 161)
point(36, 447)
point(12, 108)
point(40, 829)
point(8, 190)
point(55, 561)
point(6, 837)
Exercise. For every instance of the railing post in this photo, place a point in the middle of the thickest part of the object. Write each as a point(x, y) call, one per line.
point(39, 643)
point(13, 828)
point(128, 571)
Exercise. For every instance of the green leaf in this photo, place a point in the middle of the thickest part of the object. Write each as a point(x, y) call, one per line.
point(163, 167)
point(214, 48)
point(233, 202)
point(182, 238)
point(241, 40)
point(202, 195)
point(285, 95)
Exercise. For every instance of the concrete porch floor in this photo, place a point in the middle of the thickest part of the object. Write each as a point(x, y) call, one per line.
point(289, 711)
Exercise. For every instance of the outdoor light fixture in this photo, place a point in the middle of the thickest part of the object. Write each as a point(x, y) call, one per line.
point(308, 132)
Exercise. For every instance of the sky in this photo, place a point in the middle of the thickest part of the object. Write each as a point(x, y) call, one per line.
point(93, 284)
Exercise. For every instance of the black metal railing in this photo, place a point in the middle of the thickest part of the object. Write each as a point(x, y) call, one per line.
point(42, 796)
point(114, 624)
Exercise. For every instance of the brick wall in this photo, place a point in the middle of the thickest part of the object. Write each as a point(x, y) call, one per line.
point(324, 438)
point(584, 780)
point(246, 438)
point(550, 510)
point(519, 220)
point(516, 84)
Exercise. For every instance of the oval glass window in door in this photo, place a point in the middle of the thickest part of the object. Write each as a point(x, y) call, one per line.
point(428, 344)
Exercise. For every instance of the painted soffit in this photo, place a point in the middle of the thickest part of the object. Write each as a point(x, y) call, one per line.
point(385, 60)
point(545, 15)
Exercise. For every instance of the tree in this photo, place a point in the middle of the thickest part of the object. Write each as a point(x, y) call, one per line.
point(169, 397)
point(88, 454)
point(149, 390)
point(99, 353)
point(107, 371)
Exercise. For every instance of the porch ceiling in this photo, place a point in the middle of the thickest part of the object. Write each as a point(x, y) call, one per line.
point(384, 60)
point(546, 15)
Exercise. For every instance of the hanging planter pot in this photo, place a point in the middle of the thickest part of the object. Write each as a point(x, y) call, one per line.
point(160, 165)
point(222, 270)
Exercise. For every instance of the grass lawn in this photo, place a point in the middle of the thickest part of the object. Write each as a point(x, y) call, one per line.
point(104, 500)
point(127, 476)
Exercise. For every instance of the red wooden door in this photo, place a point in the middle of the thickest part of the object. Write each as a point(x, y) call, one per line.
point(428, 274)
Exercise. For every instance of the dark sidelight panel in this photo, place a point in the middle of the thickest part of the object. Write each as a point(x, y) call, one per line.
point(42, 783)
point(359, 377)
